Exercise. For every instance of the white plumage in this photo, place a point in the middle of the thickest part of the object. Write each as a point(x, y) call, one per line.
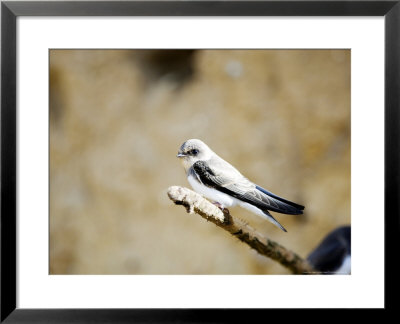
point(216, 179)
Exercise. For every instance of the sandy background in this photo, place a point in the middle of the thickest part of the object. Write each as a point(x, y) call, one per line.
point(118, 117)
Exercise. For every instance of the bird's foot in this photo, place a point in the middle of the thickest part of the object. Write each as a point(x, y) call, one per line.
point(220, 206)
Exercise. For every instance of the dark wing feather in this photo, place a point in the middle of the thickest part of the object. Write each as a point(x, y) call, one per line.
point(291, 203)
point(241, 189)
point(329, 254)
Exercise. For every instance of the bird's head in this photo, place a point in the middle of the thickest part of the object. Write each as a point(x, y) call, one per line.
point(193, 150)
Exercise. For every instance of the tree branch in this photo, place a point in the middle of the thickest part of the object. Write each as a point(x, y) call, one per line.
point(194, 202)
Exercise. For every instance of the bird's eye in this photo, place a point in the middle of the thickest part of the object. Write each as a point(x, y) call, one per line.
point(194, 152)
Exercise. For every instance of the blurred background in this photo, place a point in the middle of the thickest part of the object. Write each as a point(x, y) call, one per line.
point(118, 117)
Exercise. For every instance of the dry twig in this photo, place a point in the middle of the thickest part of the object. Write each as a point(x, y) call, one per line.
point(194, 202)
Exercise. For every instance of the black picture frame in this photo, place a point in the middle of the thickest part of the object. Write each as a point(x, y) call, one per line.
point(10, 10)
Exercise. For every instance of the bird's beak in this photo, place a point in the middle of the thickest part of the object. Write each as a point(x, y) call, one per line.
point(179, 155)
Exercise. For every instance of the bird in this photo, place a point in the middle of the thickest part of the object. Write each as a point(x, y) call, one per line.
point(333, 254)
point(216, 179)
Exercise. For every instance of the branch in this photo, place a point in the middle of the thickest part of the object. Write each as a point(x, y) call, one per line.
point(194, 202)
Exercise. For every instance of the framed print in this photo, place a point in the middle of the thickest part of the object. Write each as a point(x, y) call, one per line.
point(289, 110)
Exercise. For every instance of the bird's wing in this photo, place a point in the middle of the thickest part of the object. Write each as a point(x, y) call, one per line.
point(270, 194)
point(327, 257)
point(332, 250)
point(231, 182)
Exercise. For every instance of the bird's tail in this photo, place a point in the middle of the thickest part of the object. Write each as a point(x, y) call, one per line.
point(263, 213)
point(270, 218)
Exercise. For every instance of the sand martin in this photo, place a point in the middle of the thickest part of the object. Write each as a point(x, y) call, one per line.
point(219, 181)
point(333, 254)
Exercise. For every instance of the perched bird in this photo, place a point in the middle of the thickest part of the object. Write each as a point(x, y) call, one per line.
point(219, 181)
point(333, 254)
